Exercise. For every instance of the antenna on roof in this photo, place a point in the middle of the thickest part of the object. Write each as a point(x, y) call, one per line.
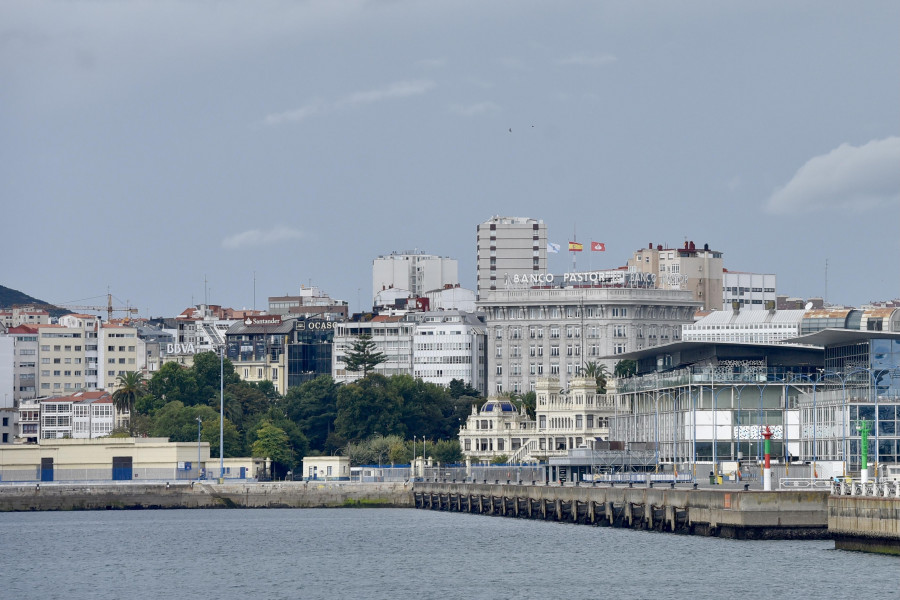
point(808, 306)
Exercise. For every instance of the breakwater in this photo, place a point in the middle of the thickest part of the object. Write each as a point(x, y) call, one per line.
point(801, 514)
point(870, 524)
point(289, 494)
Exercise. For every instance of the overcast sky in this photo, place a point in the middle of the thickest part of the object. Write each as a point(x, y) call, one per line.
point(147, 147)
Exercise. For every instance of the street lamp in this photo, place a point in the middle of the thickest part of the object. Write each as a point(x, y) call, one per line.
point(222, 416)
point(199, 422)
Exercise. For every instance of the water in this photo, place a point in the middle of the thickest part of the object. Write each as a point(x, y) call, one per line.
point(404, 553)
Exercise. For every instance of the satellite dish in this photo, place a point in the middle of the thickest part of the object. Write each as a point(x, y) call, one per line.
point(808, 306)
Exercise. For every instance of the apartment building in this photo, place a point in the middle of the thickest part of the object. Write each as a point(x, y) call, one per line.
point(450, 345)
point(25, 361)
point(697, 270)
point(414, 272)
point(753, 290)
point(83, 415)
point(23, 315)
point(68, 353)
point(119, 351)
point(508, 247)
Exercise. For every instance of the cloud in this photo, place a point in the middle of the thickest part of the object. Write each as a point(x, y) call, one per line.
point(295, 115)
point(473, 110)
point(585, 60)
point(857, 177)
point(400, 89)
point(258, 237)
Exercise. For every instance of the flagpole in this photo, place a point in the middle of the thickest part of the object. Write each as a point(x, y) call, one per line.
point(574, 239)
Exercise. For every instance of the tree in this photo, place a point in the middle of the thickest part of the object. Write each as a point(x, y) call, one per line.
point(366, 407)
point(172, 383)
point(600, 374)
point(132, 387)
point(272, 443)
point(313, 406)
point(458, 388)
point(625, 368)
point(363, 355)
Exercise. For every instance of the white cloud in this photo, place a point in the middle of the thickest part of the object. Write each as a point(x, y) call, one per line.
point(857, 177)
point(472, 110)
point(400, 89)
point(295, 115)
point(586, 60)
point(259, 237)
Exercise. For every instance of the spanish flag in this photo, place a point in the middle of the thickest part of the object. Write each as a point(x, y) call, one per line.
point(576, 247)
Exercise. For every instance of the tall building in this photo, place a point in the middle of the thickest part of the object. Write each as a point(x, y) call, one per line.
point(26, 358)
point(753, 290)
point(509, 247)
point(412, 271)
point(69, 357)
point(698, 270)
point(554, 332)
point(119, 351)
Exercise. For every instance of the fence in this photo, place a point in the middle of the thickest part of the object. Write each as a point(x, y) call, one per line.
point(856, 487)
point(36, 474)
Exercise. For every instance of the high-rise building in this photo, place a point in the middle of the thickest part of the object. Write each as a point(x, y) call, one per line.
point(414, 272)
point(753, 290)
point(509, 247)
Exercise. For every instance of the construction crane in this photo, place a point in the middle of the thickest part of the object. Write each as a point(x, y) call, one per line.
point(109, 308)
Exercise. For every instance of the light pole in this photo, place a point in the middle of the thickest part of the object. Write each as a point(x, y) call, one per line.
point(199, 422)
point(222, 416)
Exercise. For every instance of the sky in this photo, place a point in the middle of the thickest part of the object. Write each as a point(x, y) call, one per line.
point(176, 152)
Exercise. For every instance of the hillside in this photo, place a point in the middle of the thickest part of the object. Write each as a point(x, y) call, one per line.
point(10, 297)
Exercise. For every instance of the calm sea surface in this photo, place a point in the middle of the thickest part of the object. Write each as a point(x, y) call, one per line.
point(405, 553)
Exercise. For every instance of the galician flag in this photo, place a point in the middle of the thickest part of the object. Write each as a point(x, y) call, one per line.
point(576, 246)
point(598, 247)
point(552, 248)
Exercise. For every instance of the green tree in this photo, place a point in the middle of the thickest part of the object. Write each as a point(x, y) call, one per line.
point(366, 407)
point(174, 383)
point(363, 356)
point(458, 388)
point(600, 374)
point(313, 406)
point(208, 373)
point(625, 368)
point(272, 442)
point(131, 387)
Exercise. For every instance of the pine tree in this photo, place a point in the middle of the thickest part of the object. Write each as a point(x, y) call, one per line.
point(362, 356)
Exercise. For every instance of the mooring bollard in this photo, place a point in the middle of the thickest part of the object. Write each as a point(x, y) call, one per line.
point(746, 487)
point(672, 484)
point(695, 486)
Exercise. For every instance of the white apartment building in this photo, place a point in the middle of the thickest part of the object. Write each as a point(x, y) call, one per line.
point(555, 332)
point(7, 371)
point(23, 315)
point(29, 421)
point(119, 351)
point(449, 345)
point(508, 247)
point(745, 326)
point(25, 356)
point(392, 335)
point(414, 272)
point(202, 328)
point(83, 415)
point(698, 270)
point(565, 418)
point(753, 290)
point(68, 355)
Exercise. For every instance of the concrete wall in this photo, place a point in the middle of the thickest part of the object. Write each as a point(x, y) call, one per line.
point(203, 495)
point(865, 523)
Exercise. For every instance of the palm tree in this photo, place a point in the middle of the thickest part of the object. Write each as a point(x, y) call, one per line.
point(600, 374)
point(131, 387)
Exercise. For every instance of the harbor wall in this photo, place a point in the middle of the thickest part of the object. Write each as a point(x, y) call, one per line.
point(865, 523)
point(60, 496)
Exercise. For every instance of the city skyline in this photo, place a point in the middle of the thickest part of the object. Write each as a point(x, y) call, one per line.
point(176, 153)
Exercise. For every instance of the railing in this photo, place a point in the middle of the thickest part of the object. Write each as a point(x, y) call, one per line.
point(803, 483)
point(871, 488)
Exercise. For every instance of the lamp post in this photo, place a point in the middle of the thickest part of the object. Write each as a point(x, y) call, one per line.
point(222, 416)
point(199, 422)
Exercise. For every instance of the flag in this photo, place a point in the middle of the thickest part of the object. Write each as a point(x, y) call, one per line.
point(598, 247)
point(552, 248)
point(576, 247)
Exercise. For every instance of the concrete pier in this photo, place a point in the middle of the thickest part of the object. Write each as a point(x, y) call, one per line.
point(732, 514)
point(289, 494)
point(866, 523)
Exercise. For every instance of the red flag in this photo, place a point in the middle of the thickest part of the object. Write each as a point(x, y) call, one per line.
point(598, 247)
point(575, 246)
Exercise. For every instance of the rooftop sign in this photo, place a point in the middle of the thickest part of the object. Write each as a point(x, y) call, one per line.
point(263, 320)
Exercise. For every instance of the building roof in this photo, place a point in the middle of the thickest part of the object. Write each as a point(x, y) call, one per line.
point(833, 337)
point(23, 329)
point(750, 317)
